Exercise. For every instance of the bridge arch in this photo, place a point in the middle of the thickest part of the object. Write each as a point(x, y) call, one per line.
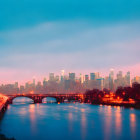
point(49, 99)
point(22, 99)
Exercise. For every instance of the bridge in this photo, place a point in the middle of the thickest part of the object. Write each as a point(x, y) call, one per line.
point(38, 98)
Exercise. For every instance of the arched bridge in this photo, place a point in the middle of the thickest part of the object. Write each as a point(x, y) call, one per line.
point(37, 98)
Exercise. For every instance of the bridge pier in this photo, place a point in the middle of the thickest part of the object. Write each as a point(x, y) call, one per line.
point(38, 101)
point(60, 100)
point(9, 101)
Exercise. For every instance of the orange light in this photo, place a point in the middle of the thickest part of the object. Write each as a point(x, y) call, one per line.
point(118, 98)
point(32, 92)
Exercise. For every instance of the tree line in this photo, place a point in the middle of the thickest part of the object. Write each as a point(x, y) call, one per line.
point(123, 92)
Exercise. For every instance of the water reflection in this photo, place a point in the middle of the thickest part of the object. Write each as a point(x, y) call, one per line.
point(83, 124)
point(32, 114)
point(108, 122)
point(49, 100)
point(118, 120)
point(70, 117)
point(133, 124)
point(71, 122)
point(22, 100)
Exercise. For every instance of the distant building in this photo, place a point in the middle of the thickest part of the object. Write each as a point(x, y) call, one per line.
point(33, 82)
point(72, 76)
point(81, 79)
point(57, 78)
point(16, 85)
point(127, 78)
point(45, 82)
point(97, 75)
point(92, 76)
point(100, 83)
point(111, 80)
point(136, 79)
point(86, 77)
point(51, 76)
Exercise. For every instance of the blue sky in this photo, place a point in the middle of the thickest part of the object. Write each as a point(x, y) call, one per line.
point(42, 36)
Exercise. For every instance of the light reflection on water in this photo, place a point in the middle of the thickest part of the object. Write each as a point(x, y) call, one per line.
point(69, 121)
point(118, 120)
point(133, 124)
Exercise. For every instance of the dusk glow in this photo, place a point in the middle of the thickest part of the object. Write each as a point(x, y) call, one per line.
point(83, 37)
point(69, 69)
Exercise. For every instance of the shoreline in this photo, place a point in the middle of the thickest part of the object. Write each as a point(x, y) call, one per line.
point(126, 105)
point(3, 137)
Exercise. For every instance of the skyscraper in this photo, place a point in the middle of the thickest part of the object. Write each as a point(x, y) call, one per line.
point(111, 80)
point(72, 76)
point(33, 81)
point(62, 75)
point(44, 82)
point(81, 78)
point(51, 76)
point(92, 76)
point(86, 77)
point(127, 78)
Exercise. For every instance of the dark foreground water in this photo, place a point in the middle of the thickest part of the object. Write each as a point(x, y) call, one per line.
point(69, 121)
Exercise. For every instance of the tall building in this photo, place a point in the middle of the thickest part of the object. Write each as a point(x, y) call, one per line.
point(92, 76)
point(62, 72)
point(111, 80)
point(106, 82)
point(45, 82)
point(51, 76)
point(16, 85)
point(62, 75)
point(72, 76)
point(127, 79)
point(120, 75)
point(57, 78)
point(33, 82)
point(97, 75)
point(100, 83)
point(86, 77)
point(81, 78)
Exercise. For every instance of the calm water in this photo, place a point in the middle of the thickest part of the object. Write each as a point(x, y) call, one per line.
point(69, 122)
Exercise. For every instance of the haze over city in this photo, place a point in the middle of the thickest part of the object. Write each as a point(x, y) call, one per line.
point(69, 69)
point(91, 36)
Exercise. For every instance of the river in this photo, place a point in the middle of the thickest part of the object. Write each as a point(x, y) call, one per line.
point(24, 120)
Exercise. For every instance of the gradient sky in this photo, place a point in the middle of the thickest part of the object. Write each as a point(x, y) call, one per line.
point(42, 36)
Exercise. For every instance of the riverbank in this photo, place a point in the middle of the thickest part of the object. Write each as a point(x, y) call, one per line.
point(122, 104)
point(3, 100)
point(2, 137)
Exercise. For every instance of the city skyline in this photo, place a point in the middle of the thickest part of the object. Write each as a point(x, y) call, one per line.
point(88, 36)
point(40, 77)
point(69, 69)
point(72, 83)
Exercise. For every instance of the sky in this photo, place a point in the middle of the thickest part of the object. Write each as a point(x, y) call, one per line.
point(42, 36)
